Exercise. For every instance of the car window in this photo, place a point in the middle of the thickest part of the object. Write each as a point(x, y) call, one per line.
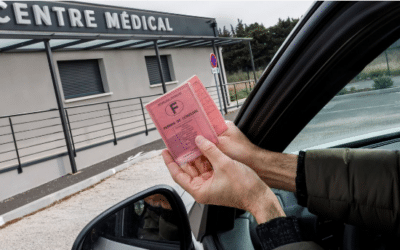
point(367, 106)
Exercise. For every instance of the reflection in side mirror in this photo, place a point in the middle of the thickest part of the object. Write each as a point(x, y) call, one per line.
point(152, 219)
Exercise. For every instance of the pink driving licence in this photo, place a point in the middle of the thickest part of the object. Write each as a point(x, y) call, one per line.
point(208, 104)
point(180, 117)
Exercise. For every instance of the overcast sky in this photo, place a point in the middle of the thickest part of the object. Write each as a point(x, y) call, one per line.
point(226, 12)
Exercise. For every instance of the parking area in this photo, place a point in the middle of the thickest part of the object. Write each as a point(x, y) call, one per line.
point(57, 226)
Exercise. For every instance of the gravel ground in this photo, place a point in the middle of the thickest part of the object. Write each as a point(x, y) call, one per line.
point(57, 227)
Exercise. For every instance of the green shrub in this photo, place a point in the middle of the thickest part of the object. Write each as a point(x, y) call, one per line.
point(242, 75)
point(395, 72)
point(240, 94)
point(360, 77)
point(375, 73)
point(383, 82)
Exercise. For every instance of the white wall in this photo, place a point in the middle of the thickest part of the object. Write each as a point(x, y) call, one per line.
point(127, 73)
point(26, 86)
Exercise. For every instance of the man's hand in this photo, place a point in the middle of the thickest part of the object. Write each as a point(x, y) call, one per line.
point(237, 146)
point(223, 181)
point(277, 170)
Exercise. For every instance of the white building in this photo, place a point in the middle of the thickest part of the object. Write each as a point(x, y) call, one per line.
point(106, 67)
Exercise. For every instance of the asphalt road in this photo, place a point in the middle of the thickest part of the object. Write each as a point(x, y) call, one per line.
point(346, 117)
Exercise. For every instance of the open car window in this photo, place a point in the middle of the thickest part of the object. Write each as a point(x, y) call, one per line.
point(367, 106)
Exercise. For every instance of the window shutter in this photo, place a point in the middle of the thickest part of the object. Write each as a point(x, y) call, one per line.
point(154, 73)
point(80, 78)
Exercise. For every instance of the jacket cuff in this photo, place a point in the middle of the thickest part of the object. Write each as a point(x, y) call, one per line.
point(301, 187)
point(278, 232)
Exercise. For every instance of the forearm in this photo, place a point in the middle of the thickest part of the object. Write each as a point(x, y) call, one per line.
point(277, 170)
point(274, 229)
point(267, 207)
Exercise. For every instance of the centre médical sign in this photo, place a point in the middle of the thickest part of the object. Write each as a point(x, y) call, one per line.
point(86, 18)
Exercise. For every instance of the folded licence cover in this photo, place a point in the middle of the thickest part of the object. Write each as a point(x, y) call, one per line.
point(182, 114)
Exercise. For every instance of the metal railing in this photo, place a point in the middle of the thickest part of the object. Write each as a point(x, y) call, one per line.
point(234, 90)
point(213, 91)
point(113, 120)
point(238, 86)
point(30, 138)
point(19, 134)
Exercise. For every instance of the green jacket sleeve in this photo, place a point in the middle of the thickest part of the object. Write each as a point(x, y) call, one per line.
point(358, 186)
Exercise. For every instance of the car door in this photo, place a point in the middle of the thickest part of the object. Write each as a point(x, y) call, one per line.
point(328, 48)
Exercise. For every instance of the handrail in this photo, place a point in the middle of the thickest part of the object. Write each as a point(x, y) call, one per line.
point(98, 103)
point(41, 142)
point(250, 80)
point(29, 113)
point(124, 120)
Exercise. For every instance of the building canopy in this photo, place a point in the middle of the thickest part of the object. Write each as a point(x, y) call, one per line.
point(83, 26)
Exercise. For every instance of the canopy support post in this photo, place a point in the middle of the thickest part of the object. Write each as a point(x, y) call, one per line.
point(60, 106)
point(252, 63)
point(220, 79)
point(160, 66)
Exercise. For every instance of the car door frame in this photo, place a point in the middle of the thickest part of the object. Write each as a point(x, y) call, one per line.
point(329, 46)
point(329, 50)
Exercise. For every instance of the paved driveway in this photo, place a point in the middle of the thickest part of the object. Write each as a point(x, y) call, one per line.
point(56, 227)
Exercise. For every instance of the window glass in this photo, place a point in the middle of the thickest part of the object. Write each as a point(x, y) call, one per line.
point(367, 106)
point(154, 72)
point(80, 78)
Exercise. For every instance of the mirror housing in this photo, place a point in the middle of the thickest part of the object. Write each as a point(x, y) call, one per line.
point(175, 202)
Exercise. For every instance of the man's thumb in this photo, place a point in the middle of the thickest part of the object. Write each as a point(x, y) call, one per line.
point(209, 150)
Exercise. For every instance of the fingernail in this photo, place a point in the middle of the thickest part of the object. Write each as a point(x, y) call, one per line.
point(199, 139)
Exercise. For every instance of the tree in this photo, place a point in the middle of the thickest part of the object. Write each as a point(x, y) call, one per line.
point(233, 31)
point(224, 32)
point(265, 43)
point(279, 32)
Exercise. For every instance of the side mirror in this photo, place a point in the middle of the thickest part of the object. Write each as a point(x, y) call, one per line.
point(152, 219)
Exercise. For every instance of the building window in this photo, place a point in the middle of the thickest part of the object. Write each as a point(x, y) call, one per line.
point(154, 73)
point(80, 78)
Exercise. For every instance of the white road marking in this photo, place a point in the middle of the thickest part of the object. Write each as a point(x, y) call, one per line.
point(138, 154)
point(2, 221)
point(134, 157)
